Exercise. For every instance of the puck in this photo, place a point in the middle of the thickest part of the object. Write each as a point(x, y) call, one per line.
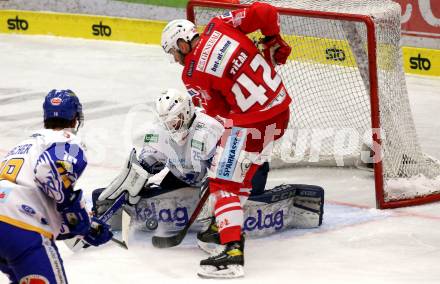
point(151, 224)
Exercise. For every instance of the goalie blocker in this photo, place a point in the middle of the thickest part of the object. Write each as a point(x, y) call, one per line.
point(283, 207)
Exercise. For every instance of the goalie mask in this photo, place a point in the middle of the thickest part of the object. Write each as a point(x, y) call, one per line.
point(175, 111)
point(175, 30)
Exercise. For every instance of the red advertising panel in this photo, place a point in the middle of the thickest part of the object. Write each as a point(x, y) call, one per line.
point(420, 18)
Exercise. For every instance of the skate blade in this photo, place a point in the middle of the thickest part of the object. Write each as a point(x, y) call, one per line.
point(210, 248)
point(211, 272)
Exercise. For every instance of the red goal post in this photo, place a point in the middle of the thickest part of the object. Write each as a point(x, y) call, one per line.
point(369, 78)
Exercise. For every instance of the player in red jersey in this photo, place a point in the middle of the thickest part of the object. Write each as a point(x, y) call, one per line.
point(227, 74)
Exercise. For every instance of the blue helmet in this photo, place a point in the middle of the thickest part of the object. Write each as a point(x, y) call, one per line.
point(63, 104)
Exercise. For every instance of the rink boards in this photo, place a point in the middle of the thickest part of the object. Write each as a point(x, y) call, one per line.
point(325, 51)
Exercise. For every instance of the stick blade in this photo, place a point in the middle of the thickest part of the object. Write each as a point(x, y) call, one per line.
point(120, 243)
point(126, 220)
point(74, 244)
point(167, 242)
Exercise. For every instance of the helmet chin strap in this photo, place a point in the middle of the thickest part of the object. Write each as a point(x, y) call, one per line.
point(79, 123)
point(191, 121)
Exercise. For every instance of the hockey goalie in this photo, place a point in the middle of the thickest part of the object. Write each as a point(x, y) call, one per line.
point(164, 183)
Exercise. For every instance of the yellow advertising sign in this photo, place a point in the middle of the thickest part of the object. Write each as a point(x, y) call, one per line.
point(305, 49)
point(83, 26)
point(421, 61)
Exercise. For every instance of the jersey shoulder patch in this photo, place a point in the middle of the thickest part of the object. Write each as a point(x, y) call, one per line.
point(151, 138)
point(207, 132)
point(155, 135)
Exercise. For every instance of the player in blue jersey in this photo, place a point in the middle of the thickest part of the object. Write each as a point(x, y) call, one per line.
point(38, 203)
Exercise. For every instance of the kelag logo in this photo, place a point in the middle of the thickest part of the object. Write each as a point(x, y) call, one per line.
point(101, 30)
point(261, 222)
point(420, 63)
point(17, 24)
point(178, 215)
point(335, 54)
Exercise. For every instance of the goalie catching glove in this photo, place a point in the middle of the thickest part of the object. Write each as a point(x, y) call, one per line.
point(275, 49)
point(131, 180)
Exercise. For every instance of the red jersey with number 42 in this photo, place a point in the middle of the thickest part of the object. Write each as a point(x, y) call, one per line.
point(228, 72)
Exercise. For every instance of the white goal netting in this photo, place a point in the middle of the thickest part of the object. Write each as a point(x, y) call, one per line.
point(335, 100)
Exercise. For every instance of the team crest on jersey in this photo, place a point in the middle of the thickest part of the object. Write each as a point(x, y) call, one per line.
point(56, 101)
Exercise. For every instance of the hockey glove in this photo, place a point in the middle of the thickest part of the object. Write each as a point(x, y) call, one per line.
point(99, 233)
point(275, 49)
point(74, 214)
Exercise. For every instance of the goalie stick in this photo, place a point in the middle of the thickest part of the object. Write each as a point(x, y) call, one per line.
point(174, 240)
point(78, 243)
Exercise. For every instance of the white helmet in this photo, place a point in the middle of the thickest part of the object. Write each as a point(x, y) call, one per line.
point(175, 110)
point(175, 30)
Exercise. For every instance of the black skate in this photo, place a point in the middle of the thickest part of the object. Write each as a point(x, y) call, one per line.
point(209, 240)
point(228, 264)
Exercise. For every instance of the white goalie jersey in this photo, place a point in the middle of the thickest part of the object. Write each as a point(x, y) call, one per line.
point(188, 162)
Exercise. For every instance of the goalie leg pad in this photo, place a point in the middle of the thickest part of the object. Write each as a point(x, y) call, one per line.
point(285, 206)
point(308, 207)
point(132, 179)
point(167, 210)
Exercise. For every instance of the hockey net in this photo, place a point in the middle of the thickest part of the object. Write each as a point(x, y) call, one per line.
point(350, 104)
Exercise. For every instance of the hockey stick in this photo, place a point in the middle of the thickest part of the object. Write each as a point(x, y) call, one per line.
point(78, 243)
point(174, 240)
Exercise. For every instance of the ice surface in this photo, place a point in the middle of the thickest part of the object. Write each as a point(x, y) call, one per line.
point(116, 83)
